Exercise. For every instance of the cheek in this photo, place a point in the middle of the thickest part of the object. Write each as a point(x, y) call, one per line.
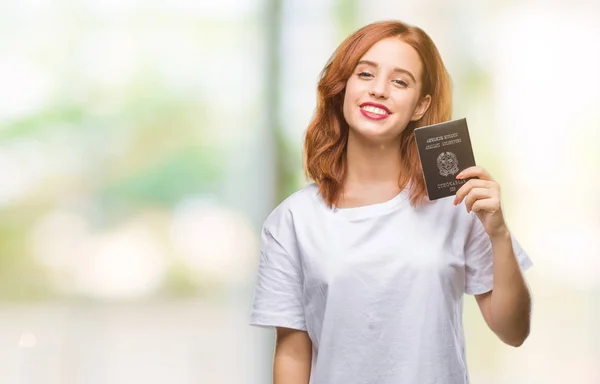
point(351, 98)
point(407, 100)
point(347, 108)
point(350, 91)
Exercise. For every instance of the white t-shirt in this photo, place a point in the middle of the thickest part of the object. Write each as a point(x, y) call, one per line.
point(378, 288)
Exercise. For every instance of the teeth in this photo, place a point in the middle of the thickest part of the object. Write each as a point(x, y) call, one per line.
point(378, 111)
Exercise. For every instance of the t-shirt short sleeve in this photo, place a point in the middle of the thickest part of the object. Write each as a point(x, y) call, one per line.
point(277, 300)
point(479, 260)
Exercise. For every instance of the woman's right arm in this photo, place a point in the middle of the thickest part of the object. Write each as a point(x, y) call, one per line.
point(293, 357)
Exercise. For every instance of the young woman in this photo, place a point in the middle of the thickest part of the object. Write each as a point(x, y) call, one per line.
point(361, 275)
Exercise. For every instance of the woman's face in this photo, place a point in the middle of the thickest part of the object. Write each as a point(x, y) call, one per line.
point(383, 93)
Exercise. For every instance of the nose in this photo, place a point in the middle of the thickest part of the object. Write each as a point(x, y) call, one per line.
point(379, 88)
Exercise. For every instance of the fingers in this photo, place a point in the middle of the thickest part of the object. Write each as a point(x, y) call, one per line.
point(481, 193)
point(475, 171)
point(490, 205)
point(476, 196)
point(470, 185)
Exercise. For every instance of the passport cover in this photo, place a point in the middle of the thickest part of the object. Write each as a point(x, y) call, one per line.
point(444, 150)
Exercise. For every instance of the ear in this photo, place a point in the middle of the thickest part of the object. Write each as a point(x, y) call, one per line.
point(421, 108)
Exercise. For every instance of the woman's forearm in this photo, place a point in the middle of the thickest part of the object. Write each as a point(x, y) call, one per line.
point(291, 370)
point(293, 357)
point(510, 300)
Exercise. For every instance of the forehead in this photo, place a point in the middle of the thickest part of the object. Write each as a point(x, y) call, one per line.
point(394, 53)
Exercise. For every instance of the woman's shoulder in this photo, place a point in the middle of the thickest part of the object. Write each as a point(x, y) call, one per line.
point(292, 205)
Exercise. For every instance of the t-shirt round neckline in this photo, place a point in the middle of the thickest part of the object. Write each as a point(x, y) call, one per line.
point(366, 211)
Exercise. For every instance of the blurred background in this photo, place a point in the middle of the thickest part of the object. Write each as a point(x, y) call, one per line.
point(143, 143)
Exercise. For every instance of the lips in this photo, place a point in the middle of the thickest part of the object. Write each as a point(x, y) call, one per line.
point(374, 111)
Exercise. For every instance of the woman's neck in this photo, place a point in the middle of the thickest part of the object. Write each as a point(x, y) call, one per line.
point(372, 173)
point(372, 163)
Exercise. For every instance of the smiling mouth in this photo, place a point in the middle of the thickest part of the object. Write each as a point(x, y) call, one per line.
point(374, 113)
point(375, 110)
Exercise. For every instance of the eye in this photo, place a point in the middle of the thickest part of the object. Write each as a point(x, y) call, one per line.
point(364, 74)
point(401, 83)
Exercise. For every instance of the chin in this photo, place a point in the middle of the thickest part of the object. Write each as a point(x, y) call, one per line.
point(376, 134)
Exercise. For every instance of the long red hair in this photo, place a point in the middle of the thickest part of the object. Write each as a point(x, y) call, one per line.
point(327, 134)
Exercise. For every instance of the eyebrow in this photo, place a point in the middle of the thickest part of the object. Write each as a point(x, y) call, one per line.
point(401, 70)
